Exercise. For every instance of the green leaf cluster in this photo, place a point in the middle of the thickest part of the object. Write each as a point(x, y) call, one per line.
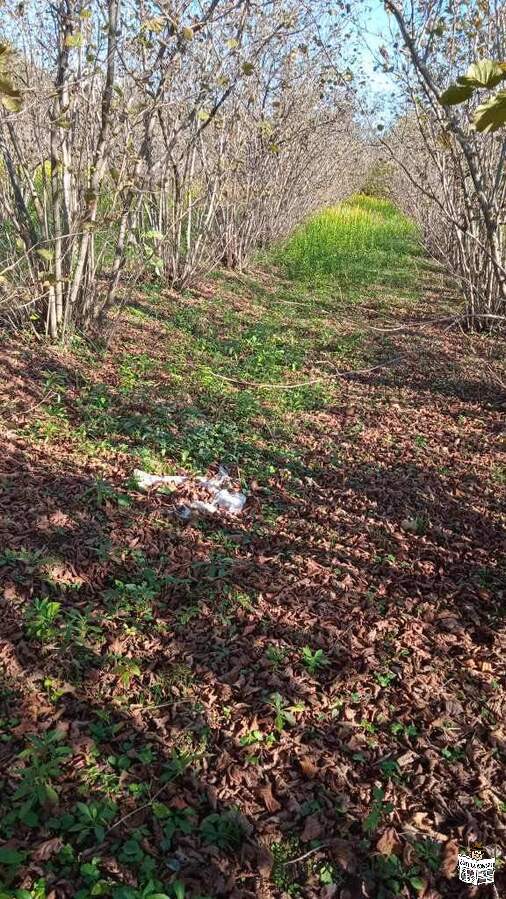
point(484, 74)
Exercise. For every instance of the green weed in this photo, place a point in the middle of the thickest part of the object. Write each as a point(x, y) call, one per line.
point(286, 876)
point(378, 810)
point(29, 558)
point(392, 878)
point(133, 369)
point(125, 670)
point(386, 678)
point(453, 754)
point(42, 762)
point(498, 474)
point(398, 728)
point(173, 821)
point(275, 655)
point(40, 619)
point(101, 492)
point(284, 713)
point(127, 598)
point(314, 660)
point(225, 831)
point(364, 240)
point(256, 736)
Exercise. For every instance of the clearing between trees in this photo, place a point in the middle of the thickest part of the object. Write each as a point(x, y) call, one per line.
point(301, 700)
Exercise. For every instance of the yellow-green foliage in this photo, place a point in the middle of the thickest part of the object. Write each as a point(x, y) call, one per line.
point(364, 240)
point(42, 175)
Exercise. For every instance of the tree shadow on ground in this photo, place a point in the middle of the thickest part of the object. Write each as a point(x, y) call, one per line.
point(383, 559)
point(433, 366)
point(206, 679)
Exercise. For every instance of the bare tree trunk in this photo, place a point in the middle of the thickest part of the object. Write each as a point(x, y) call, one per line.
point(97, 172)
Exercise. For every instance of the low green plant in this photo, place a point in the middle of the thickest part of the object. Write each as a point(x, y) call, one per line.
point(173, 821)
point(257, 736)
point(81, 628)
point(37, 891)
point(314, 660)
point(180, 760)
point(101, 493)
point(390, 769)
point(379, 809)
point(429, 853)
point(244, 600)
point(284, 713)
point(328, 873)
point(89, 821)
point(398, 728)
point(50, 427)
point(40, 619)
point(133, 369)
point(285, 875)
point(53, 689)
point(363, 240)
point(276, 655)
point(56, 382)
point(187, 613)
point(42, 762)
point(125, 598)
point(391, 877)
point(223, 830)
point(125, 670)
point(28, 557)
point(453, 754)
point(498, 474)
point(385, 678)
point(11, 860)
point(133, 854)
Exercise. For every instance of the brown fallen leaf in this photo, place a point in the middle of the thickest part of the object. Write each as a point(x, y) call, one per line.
point(356, 742)
point(389, 842)
point(410, 525)
point(25, 727)
point(449, 860)
point(406, 759)
point(271, 803)
point(309, 768)
point(47, 849)
point(312, 829)
point(345, 855)
point(265, 861)
point(178, 802)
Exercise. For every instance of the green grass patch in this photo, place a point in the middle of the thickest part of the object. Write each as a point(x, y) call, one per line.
point(221, 383)
point(364, 240)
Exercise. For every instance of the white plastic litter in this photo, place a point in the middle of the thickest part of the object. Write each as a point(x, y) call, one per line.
point(223, 499)
point(145, 480)
point(231, 502)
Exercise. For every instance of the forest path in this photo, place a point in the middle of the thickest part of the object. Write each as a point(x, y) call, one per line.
point(229, 694)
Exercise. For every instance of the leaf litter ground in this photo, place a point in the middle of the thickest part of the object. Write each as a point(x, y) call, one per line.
point(304, 700)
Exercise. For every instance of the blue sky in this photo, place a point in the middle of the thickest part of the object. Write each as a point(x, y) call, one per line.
point(376, 32)
point(377, 29)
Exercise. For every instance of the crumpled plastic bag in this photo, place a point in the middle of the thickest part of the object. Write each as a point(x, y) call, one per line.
point(145, 480)
point(222, 499)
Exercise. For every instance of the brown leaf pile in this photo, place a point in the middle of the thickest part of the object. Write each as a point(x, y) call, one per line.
point(381, 548)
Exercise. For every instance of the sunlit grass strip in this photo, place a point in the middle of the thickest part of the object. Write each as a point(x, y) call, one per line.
point(364, 240)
